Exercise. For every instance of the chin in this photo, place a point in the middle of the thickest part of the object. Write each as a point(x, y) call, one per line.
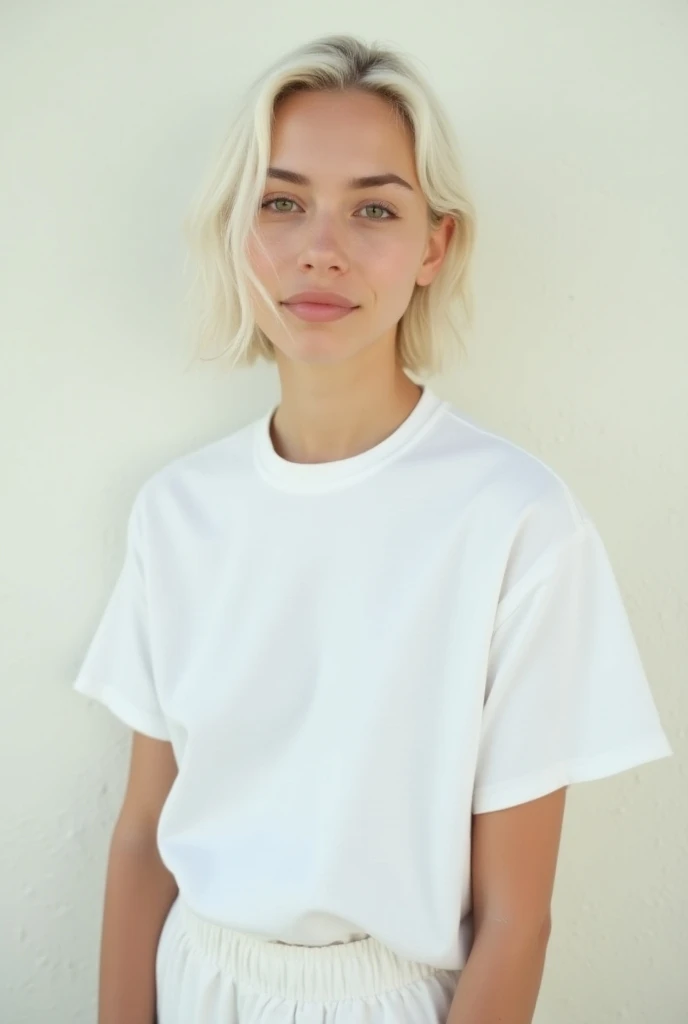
point(314, 350)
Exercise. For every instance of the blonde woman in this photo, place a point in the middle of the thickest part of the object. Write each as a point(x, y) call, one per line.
point(364, 643)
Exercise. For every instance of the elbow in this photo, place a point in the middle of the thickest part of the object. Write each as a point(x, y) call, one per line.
point(523, 930)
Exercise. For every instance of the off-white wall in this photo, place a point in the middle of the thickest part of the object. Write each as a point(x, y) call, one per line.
point(574, 141)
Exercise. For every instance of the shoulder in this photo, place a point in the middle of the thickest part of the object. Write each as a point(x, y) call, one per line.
point(196, 479)
point(521, 504)
point(514, 475)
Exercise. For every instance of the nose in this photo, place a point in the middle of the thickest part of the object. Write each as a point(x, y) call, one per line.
point(322, 247)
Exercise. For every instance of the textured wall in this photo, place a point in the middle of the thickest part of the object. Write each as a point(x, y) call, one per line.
point(573, 125)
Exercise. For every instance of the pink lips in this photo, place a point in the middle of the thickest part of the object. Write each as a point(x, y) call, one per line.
point(320, 296)
point(319, 306)
point(318, 311)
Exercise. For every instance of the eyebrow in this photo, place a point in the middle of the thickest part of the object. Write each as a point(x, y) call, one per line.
point(370, 181)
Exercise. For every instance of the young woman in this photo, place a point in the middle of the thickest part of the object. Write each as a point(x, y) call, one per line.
point(364, 643)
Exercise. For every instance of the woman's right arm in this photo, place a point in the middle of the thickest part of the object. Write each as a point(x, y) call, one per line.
point(139, 890)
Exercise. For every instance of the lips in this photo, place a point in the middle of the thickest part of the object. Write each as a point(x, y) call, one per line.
point(320, 298)
point(319, 312)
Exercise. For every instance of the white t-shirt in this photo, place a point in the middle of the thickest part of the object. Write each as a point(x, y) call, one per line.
point(352, 657)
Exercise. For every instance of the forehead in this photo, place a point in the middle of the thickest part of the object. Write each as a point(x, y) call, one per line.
point(353, 133)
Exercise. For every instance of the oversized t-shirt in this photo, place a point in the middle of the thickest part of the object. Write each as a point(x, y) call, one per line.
point(351, 658)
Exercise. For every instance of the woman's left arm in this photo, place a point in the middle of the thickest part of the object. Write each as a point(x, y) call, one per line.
point(513, 864)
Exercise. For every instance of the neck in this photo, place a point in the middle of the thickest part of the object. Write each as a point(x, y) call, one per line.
point(328, 423)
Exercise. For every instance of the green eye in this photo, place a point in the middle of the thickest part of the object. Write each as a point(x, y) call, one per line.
point(379, 206)
point(279, 199)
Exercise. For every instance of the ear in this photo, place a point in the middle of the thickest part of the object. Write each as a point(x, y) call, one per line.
point(436, 250)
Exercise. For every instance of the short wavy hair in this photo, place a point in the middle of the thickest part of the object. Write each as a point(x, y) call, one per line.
point(218, 225)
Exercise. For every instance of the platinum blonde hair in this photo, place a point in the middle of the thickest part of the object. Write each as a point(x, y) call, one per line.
point(219, 223)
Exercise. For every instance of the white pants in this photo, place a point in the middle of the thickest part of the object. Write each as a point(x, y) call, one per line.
point(207, 974)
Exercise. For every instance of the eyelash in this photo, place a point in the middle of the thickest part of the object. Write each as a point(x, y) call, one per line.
point(288, 199)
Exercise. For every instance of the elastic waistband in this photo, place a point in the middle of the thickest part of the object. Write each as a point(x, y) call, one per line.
point(350, 970)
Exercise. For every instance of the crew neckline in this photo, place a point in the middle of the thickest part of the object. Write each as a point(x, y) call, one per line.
point(324, 476)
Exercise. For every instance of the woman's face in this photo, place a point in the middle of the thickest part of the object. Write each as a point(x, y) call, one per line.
point(372, 244)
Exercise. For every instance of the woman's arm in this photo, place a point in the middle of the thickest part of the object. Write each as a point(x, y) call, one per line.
point(513, 864)
point(139, 890)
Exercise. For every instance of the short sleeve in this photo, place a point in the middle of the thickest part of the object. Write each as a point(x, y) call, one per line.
point(567, 699)
point(117, 669)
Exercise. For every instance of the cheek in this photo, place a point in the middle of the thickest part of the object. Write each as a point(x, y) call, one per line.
point(392, 267)
point(265, 255)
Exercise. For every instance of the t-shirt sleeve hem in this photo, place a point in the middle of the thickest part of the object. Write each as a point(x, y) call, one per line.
point(142, 721)
point(530, 787)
